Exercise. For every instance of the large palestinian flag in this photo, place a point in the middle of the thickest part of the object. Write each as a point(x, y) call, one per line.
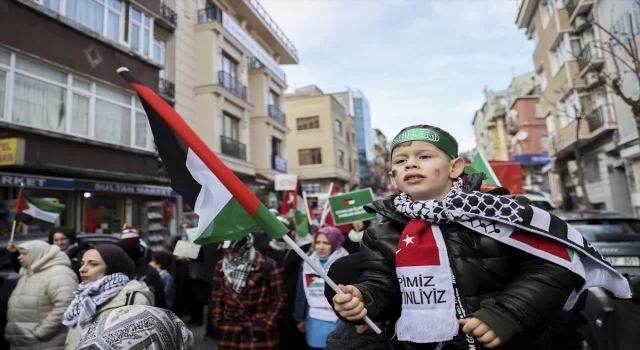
point(227, 209)
point(29, 209)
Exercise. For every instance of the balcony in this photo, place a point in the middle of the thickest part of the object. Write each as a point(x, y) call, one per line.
point(590, 59)
point(233, 148)
point(255, 64)
point(601, 116)
point(576, 8)
point(210, 14)
point(232, 85)
point(166, 88)
point(277, 115)
point(273, 27)
point(168, 17)
point(278, 163)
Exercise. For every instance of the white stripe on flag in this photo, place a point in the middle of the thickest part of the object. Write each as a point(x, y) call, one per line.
point(574, 236)
point(41, 214)
point(212, 197)
point(541, 219)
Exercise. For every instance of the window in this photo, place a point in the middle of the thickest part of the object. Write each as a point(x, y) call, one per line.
point(551, 126)
point(229, 66)
point(546, 12)
point(539, 110)
point(310, 156)
point(308, 123)
point(140, 31)
point(160, 54)
point(276, 146)
point(591, 168)
point(311, 188)
point(274, 98)
point(102, 16)
point(544, 142)
point(338, 127)
point(231, 127)
point(500, 101)
point(576, 47)
point(49, 99)
point(572, 106)
point(341, 157)
point(542, 78)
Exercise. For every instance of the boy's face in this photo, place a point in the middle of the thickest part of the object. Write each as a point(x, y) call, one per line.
point(423, 171)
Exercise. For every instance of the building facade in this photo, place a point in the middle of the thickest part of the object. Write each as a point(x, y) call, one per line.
point(322, 143)
point(74, 131)
point(230, 86)
point(365, 135)
point(381, 183)
point(579, 111)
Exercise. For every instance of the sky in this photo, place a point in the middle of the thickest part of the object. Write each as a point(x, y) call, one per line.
point(417, 61)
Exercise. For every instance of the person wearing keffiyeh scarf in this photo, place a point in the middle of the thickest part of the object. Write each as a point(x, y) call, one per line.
point(238, 262)
point(108, 284)
point(455, 268)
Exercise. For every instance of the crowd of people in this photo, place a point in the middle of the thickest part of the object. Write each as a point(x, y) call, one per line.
point(434, 274)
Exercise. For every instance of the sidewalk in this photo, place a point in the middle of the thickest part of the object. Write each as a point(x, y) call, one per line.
point(202, 343)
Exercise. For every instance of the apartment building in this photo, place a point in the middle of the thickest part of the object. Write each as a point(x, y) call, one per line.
point(381, 183)
point(578, 109)
point(230, 85)
point(71, 128)
point(322, 143)
point(491, 134)
point(365, 136)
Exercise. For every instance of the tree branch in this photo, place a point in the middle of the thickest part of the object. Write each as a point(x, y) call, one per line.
point(613, 37)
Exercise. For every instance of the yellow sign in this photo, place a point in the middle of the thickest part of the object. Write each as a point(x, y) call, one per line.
point(11, 151)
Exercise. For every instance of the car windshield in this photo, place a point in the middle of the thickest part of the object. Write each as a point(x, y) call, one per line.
point(608, 230)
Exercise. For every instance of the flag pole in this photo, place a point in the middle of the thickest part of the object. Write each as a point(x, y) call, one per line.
point(237, 188)
point(326, 207)
point(15, 221)
point(324, 276)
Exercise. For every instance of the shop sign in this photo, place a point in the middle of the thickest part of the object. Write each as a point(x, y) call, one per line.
point(286, 182)
point(348, 208)
point(279, 164)
point(12, 151)
point(32, 181)
point(532, 159)
point(145, 190)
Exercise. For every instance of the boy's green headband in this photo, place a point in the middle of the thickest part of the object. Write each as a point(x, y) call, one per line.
point(426, 135)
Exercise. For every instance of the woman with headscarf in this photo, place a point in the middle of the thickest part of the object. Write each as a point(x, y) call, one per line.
point(247, 298)
point(313, 313)
point(44, 291)
point(108, 283)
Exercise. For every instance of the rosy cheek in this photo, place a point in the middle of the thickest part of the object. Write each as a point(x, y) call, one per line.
point(436, 173)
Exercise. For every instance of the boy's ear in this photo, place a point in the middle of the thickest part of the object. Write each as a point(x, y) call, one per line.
point(457, 167)
point(392, 177)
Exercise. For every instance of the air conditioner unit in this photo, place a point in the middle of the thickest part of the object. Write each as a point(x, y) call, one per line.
point(580, 23)
point(591, 78)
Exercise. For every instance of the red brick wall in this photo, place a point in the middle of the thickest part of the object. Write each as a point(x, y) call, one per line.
point(529, 123)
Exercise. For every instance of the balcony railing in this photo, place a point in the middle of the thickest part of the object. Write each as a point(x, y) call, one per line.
point(571, 6)
point(276, 114)
point(210, 14)
point(232, 85)
point(599, 117)
point(168, 14)
point(256, 64)
point(166, 88)
point(588, 54)
point(233, 147)
point(272, 24)
point(278, 163)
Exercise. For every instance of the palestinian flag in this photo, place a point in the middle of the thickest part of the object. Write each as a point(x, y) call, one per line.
point(29, 209)
point(480, 164)
point(227, 209)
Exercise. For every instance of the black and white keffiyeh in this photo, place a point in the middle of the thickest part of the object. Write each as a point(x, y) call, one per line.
point(237, 270)
point(88, 297)
point(430, 308)
point(499, 217)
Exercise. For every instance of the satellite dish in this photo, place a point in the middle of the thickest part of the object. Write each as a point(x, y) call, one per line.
point(513, 114)
point(522, 135)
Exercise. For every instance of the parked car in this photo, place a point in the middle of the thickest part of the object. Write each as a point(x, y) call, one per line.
point(85, 241)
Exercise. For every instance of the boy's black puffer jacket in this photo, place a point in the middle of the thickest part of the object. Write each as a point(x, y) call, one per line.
point(514, 293)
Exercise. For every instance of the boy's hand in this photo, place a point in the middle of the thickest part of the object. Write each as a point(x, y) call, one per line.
point(349, 305)
point(481, 331)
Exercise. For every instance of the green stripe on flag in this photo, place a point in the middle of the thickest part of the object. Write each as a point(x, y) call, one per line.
point(481, 164)
point(302, 223)
point(271, 225)
point(571, 253)
point(230, 224)
point(43, 204)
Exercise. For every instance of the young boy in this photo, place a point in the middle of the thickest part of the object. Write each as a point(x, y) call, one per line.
point(162, 261)
point(444, 260)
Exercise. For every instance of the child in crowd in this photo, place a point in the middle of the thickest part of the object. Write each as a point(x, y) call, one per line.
point(455, 268)
point(162, 261)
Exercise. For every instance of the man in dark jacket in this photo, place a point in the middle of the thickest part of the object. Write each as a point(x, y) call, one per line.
point(506, 296)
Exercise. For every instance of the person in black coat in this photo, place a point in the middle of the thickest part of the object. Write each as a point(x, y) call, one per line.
point(145, 272)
